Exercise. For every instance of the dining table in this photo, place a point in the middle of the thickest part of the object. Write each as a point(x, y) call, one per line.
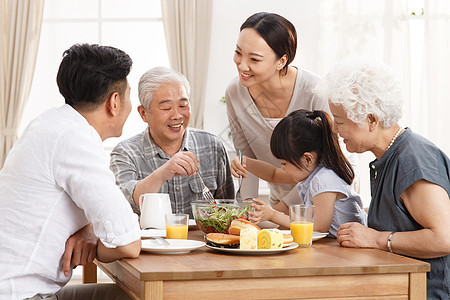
point(324, 270)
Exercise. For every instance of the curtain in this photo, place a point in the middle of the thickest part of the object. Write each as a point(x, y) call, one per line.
point(377, 30)
point(413, 40)
point(413, 37)
point(20, 28)
point(187, 27)
point(434, 84)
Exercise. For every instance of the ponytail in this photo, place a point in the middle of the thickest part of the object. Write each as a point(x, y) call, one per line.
point(332, 156)
point(306, 131)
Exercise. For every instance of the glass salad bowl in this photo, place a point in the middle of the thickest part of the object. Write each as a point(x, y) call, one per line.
point(217, 217)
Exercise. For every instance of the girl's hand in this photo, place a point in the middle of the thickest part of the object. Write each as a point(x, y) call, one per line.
point(238, 169)
point(263, 211)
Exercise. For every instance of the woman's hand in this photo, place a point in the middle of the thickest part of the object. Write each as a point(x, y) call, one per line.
point(238, 169)
point(356, 235)
point(263, 211)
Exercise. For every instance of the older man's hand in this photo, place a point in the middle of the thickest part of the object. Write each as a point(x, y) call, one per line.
point(81, 248)
point(181, 164)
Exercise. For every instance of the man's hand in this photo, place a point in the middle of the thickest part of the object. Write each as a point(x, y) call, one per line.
point(81, 248)
point(181, 164)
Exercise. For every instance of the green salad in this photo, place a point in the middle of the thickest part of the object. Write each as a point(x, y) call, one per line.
point(218, 218)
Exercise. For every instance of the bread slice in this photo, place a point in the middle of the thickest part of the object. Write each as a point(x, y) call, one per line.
point(222, 240)
point(249, 238)
point(238, 224)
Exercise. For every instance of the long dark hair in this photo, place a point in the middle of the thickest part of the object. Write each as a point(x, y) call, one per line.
point(306, 131)
point(277, 31)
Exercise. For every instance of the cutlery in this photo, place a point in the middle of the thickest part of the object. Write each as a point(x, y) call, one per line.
point(238, 193)
point(161, 241)
point(207, 195)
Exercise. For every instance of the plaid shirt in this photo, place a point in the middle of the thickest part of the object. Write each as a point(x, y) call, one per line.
point(135, 158)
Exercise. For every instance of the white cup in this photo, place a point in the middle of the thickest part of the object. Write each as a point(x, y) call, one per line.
point(154, 206)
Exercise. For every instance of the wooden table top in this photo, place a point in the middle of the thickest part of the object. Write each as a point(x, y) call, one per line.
point(324, 257)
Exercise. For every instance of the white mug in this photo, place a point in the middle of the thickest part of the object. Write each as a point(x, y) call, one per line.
point(154, 206)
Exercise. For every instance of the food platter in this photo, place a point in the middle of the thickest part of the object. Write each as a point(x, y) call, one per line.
point(287, 245)
point(254, 251)
point(175, 246)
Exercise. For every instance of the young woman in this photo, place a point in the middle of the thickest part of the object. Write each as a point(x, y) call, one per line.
point(266, 90)
point(311, 157)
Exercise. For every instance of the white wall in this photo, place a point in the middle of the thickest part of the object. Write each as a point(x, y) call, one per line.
point(227, 18)
point(125, 25)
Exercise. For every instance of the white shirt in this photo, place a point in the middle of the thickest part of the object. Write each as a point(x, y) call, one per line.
point(55, 180)
point(273, 122)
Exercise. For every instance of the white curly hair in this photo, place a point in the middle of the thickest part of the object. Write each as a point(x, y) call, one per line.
point(363, 88)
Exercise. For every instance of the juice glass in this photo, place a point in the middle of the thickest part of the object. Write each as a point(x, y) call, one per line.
point(177, 226)
point(302, 223)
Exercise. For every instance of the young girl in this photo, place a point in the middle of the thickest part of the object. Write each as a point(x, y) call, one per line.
point(311, 157)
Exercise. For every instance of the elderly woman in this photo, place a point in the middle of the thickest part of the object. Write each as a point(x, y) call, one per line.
point(409, 212)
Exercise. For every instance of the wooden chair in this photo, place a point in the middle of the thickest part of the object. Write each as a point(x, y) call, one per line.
point(89, 273)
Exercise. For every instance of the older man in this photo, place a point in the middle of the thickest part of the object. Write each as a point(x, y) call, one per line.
point(56, 189)
point(169, 157)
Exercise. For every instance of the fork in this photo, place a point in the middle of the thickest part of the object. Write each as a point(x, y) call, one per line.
point(206, 192)
point(238, 193)
point(161, 241)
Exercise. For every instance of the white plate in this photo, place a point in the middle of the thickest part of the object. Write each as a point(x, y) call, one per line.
point(153, 232)
point(176, 246)
point(255, 251)
point(267, 225)
point(319, 235)
point(316, 235)
point(287, 245)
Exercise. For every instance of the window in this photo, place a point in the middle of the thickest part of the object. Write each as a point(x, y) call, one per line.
point(133, 26)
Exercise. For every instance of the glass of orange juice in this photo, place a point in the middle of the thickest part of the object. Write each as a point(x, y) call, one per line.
point(302, 223)
point(177, 226)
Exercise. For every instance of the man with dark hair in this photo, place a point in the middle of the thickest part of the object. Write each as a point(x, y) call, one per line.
point(59, 205)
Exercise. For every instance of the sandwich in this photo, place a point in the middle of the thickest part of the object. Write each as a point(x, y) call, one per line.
point(287, 239)
point(222, 240)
